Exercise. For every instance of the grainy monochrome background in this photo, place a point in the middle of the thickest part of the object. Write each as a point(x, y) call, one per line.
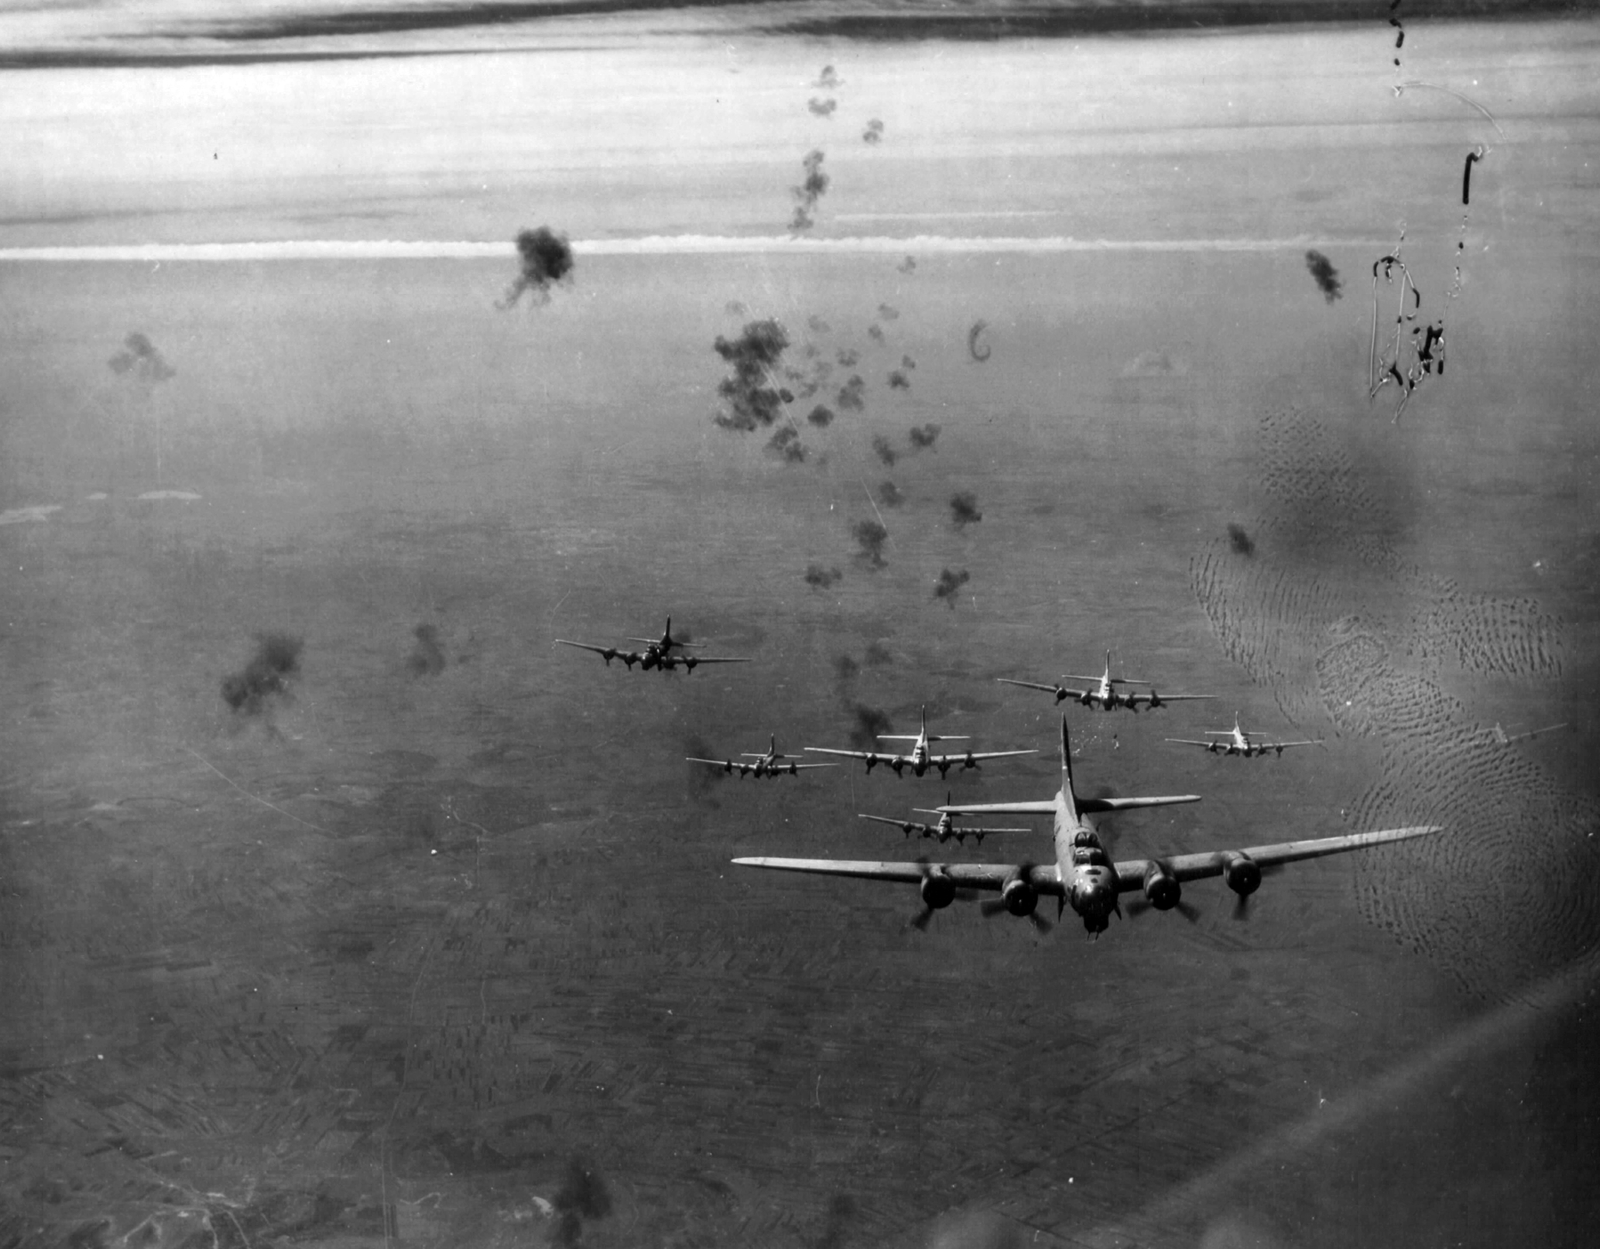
point(340, 907)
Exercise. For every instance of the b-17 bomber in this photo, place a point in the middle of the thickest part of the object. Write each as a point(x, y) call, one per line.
point(1083, 875)
point(921, 758)
point(1236, 741)
point(1102, 691)
point(945, 829)
point(657, 653)
point(768, 764)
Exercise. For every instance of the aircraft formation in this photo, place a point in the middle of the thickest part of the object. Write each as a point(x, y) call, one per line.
point(1079, 872)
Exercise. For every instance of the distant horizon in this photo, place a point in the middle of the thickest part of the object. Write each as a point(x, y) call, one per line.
point(645, 245)
point(122, 33)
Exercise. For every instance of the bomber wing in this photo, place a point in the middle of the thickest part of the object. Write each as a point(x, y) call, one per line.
point(1059, 690)
point(608, 653)
point(1184, 867)
point(906, 826)
point(972, 756)
point(1003, 808)
point(876, 756)
point(1156, 699)
point(993, 876)
point(1214, 744)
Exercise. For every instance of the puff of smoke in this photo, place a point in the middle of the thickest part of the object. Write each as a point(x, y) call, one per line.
point(426, 659)
point(1242, 543)
point(817, 325)
point(546, 260)
point(874, 132)
point(786, 445)
point(822, 108)
point(140, 357)
point(964, 509)
point(1325, 275)
point(845, 668)
point(877, 655)
point(875, 333)
point(827, 78)
point(752, 399)
point(822, 578)
point(870, 723)
point(698, 779)
point(949, 586)
point(848, 357)
point(811, 189)
point(908, 265)
point(852, 395)
point(821, 416)
point(583, 1195)
point(923, 436)
point(884, 449)
point(889, 494)
point(899, 381)
point(269, 672)
point(888, 312)
point(871, 536)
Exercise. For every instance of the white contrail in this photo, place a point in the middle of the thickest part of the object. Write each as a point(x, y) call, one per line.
point(650, 245)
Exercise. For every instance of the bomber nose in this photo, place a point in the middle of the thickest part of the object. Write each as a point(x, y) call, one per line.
point(1092, 902)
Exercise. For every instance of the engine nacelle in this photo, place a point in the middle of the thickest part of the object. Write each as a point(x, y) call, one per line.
point(1155, 699)
point(1241, 873)
point(1161, 887)
point(688, 662)
point(872, 761)
point(1061, 695)
point(938, 891)
point(1019, 896)
point(899, 766)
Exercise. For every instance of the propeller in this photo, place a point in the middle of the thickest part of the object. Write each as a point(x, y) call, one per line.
point(951, 892)
point(1190, 912)
point(996, 906)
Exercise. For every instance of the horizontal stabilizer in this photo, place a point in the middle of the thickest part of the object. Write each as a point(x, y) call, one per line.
point(1003, 808)
point(1098, 806)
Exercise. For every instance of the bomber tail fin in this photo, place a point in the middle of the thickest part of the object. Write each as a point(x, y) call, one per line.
point(1068, 794)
